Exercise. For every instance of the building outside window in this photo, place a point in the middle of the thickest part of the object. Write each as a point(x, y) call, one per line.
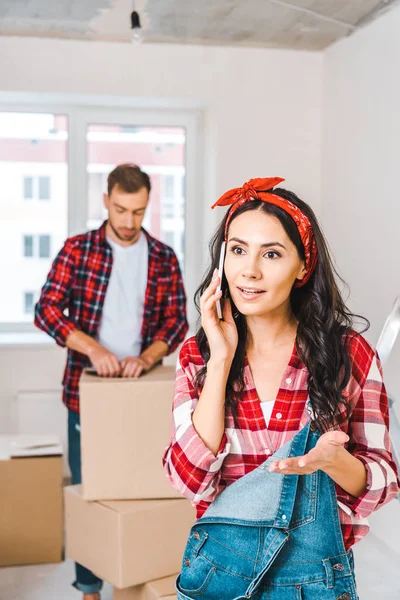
point(28, 246)
point(36, 188)
point(29, 302)
point(37, 246)
point(36, 217)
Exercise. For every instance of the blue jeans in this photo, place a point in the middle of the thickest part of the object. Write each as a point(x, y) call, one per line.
point(270, 536)
point(85, 581)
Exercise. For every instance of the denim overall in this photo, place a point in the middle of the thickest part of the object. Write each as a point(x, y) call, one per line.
point(270, 536)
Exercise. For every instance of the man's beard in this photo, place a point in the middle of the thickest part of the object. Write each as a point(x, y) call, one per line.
point(121, 237)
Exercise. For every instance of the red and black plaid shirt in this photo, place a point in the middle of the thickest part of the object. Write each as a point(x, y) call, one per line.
point(201, 476)
point(78, 282)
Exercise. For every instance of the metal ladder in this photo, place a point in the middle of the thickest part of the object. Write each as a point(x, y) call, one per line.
point(387, 339)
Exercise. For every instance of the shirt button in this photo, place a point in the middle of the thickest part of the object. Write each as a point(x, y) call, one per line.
point(284, 517)
point(289, 380)
point(279, 415)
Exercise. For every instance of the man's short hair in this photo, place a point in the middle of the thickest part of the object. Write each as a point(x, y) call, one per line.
point(129, 177)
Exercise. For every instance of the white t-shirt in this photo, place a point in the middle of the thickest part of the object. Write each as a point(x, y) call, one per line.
point(121, 321)
point(267, 408)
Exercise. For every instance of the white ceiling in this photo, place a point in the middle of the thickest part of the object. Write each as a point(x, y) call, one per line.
point(299, 24)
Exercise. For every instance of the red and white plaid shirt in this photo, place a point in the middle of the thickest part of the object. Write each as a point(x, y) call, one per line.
point(78, 281)
point(201, 476)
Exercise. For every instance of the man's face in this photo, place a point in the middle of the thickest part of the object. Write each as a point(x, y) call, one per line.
point(126, 213)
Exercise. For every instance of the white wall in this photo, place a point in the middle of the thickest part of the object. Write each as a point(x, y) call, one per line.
point(361, 156)
point(262, 107)
point(262, 116)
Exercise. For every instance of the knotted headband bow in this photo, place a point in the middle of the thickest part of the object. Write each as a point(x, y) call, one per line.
point(257, 189)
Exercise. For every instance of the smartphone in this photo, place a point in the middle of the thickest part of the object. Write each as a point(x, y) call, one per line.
point(220, 275)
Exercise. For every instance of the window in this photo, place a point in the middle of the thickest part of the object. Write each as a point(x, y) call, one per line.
point(44, 188)
point(39, 211)
point(44, 246)
point(168, 208)
point(37, 246)
point(34, 204)
point(28, 188)
point(37, 188)
point(161, 153)
point(169, 238)
point(28, 246)
point(29, 303)
point(169, 186)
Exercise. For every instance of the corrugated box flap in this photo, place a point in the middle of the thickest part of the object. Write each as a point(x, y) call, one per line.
point(132, 506)
point(25, 446)
point(161, 373)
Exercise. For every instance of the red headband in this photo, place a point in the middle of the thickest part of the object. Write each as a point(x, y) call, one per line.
point(255, 189)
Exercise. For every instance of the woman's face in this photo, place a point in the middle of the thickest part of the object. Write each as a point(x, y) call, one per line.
point(261, 264)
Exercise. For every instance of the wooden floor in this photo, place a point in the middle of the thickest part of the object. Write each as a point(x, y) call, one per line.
point(377, 568)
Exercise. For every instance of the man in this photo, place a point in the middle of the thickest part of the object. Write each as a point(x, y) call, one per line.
point(126, 306)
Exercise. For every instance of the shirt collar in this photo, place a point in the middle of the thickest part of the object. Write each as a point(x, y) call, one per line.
point(101, 238)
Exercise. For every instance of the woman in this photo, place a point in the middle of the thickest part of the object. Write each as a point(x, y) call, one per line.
point(280, 433)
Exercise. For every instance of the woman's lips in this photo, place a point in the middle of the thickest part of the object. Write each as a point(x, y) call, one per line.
point(250, 294)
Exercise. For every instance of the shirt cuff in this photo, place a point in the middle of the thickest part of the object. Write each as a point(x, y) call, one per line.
point(370, 498)
point(63, 332)
point(200, 455)
point(159, 337)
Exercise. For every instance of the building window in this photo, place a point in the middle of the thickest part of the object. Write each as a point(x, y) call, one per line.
point(169, 238)
point(29, 303)
point(44, 188)
point(168, 209)
point(169, 186)
point(37, 246)
point(44, 246)
point(28, 188)
point(168, 200)
point(28, 246)
point(37, 188)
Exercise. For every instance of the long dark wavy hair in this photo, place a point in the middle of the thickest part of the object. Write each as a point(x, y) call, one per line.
point(325, 325)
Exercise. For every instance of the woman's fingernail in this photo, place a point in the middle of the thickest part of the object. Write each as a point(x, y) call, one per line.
point(215, 274)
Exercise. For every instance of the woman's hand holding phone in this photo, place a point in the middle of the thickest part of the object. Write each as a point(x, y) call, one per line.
point(222, 333)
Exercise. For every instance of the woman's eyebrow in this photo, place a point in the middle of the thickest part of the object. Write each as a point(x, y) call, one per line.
point(267, 245)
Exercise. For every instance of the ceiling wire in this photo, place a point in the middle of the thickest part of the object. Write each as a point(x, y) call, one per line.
point(313, 13)
point(381, 7)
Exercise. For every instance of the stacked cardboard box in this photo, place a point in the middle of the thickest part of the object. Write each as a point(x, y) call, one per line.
point(125, 523)
point(31, 479)
point(160, 589)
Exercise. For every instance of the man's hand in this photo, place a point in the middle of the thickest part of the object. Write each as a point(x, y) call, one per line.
point(134, 366)
point(104, 361)
point(322, 457)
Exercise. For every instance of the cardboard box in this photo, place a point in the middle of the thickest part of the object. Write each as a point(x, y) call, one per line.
point(125, 427)
point(31, 503)
point(160, 589)
point(127, 542)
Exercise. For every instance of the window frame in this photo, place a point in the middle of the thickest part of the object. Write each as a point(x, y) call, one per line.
point(84, 110)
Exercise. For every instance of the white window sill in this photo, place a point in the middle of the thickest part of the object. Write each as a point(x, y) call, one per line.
point(25, 338)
